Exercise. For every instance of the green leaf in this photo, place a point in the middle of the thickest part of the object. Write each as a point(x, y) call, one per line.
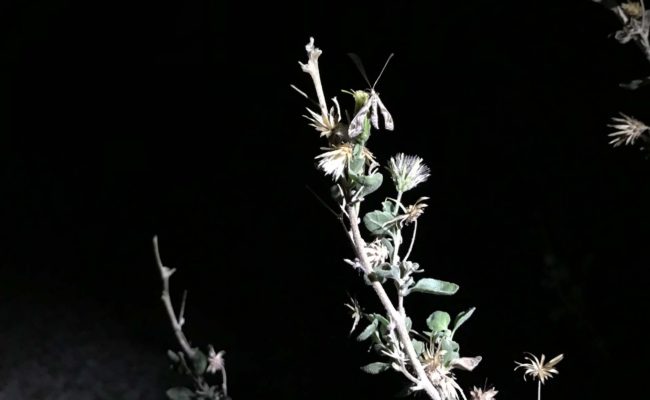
point(418, 346)
point(382, 320)
point(179, 393)
point(199, 362)
point(461, 318)
point(451, 349)
point(370, 329)
point(356, 166)
point(388, 206)
point(438, 321)
point(434, 286)
point(408, 323)
point(371, 183)
point(173, 356)
point(375, 368)
point(376, 221)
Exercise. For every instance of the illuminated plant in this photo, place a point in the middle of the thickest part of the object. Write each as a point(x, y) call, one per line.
point(426, 358)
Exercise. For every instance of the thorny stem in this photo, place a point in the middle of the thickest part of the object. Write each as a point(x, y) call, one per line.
point(395, 315)
point(177, 323)
point(165, 273)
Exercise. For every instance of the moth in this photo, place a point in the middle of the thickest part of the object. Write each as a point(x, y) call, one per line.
point(373, 105)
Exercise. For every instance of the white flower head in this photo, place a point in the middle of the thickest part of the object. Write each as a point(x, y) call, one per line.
point(537, 369)
point(628, 130)
point(334, 161)
point(407, 171)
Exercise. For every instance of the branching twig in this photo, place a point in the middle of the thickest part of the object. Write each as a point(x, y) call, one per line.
point(177, 323)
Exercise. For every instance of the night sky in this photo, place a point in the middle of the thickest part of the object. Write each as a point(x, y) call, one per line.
point(121, 121)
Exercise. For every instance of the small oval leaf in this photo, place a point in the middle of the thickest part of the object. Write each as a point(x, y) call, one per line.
point(466, 363)
point(376, 222)
point(438, 321)
point(370, 329)
point(173, 356)
point(199, 362)
point(371, 183)
point(375, 368)
point(461, 318)
point(179, 393)
point(434, 286)
point(418, 346)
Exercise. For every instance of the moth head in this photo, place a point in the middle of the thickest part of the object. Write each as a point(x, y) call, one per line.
point(360, 98)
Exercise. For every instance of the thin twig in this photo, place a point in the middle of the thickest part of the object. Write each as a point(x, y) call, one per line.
point(415, 231)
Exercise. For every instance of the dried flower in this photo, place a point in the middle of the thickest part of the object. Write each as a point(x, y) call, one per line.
point(482, 394)
point(411, 213)
point(414, 211)
point(356, 312)
point(537, 369)
point(376, 253)
point(407, 171)
point(628, 130)
point(311, 67)
point(440, 375)
point(632, 9)
point(327, 124)
point(215, 361)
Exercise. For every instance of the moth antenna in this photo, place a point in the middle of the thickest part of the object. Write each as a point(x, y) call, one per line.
point(314, 102)
point(357, 61)
point(324, 204)
point(382, 70)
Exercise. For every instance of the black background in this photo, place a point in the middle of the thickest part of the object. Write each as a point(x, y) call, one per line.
point(119, 121)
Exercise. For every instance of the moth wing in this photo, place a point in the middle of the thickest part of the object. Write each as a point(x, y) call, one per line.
point(388, 119)
point(356, 125)
point(374, 116)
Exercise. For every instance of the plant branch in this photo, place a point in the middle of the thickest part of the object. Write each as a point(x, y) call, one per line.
point(395, 315)
point(177, 325)
point(641, 38)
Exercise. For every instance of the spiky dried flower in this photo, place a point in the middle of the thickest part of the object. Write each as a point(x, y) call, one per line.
point(439, 374)
point(483, 394)
point(628, 130)
point(356, 312)
point(327, 124)
point(334, 161)
point(414, 211)
point(537, 368)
